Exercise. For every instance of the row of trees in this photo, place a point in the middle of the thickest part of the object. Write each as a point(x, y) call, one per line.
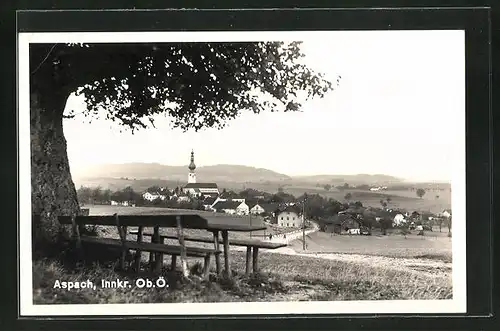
point(98, 195)
point(420, 191)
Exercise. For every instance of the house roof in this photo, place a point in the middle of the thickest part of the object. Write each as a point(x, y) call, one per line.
point(209, 201)
point(290, 209)
point(229, 204)
point(156, 193)
point(201, 185)
point(268, 207)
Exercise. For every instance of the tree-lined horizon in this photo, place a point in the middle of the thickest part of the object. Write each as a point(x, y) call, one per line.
point(197, 85)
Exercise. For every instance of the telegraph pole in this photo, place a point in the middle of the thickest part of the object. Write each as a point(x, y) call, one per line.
point(304, 225)
point(250, 214)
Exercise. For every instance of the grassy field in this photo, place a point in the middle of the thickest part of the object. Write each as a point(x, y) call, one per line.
point(282, 278)
point(433, 245)
point(399, 199)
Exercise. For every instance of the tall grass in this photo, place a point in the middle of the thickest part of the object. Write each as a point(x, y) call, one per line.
point(282, 278)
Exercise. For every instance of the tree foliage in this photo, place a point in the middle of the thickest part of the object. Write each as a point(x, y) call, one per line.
point(420, 192)
point(196, 84)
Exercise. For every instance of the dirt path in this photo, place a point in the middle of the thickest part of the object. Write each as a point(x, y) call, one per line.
point(293, 235)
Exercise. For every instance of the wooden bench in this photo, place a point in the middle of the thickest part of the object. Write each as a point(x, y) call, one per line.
point(156, 248)
point(252, 246)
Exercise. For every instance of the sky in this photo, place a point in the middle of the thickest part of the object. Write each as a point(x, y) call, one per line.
point(394, 112)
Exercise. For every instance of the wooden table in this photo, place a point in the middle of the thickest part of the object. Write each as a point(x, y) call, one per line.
point(224, 229)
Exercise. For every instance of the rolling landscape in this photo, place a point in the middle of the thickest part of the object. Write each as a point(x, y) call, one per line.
point(140, 176)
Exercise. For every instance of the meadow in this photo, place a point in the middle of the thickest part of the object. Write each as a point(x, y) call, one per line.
point(404, 199)
point(433, 245)
point(281, 278)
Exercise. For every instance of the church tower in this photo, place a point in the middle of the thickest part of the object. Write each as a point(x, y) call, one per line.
point(192, 167)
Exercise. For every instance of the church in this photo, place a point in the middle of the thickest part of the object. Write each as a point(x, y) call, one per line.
point(198, 189)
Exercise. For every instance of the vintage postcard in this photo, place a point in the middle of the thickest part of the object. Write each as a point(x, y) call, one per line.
point(196, 173)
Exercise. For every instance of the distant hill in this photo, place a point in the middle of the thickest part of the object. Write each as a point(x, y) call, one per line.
point(222, 173)
point(350, 179)
point(215, 173)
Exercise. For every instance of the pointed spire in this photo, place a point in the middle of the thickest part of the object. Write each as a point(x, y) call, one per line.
point(192, 166)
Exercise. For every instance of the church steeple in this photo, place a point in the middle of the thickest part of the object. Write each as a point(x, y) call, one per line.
point(192, 167)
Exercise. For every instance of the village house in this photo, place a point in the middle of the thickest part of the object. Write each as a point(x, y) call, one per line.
point(257, 209)
point(198, 189)
point(122, 203)
point(446, 213)
point(342, 223)
point(265, 209)
point(378, 188)
point(153, 193)
point(231, 207)
point(153, 196)
point(399, 220)
point(289, 217)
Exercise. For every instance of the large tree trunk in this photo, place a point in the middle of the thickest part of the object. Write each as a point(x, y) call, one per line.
point(53, 191)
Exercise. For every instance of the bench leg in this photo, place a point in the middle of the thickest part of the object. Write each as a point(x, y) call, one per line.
point(217, 256)
point(158, 256)
point(151, 260)
point(158, 262)
point(137, 261)
point(124, 250)
point(206, 266)
point(255, 259)
point(152, 255)
point(227, 266)
point(174, 262)
point(138, 253)
point(249, 257)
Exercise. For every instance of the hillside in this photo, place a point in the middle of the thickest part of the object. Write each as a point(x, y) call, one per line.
point(215, 173)
point(351, 179)
point(223, 173)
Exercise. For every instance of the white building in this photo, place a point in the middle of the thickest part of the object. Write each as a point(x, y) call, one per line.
point(122, 203)
point(289, 218)
point(257, 209)
point(231, 207)
point(153, 196)
point(183, 198)
point(399, 219)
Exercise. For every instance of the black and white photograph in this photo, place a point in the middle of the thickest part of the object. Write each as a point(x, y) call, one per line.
point(270, 172)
